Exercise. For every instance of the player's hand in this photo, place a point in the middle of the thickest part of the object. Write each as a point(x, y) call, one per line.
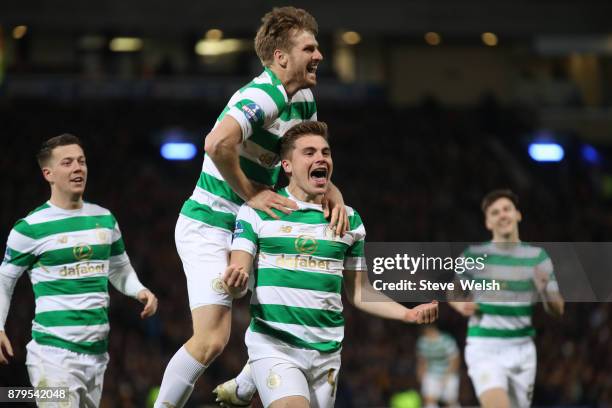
point(425, 313)
point(335, 210)
point(466, 309)
point(540, 279)
point(235, 281)
point(265, 200)
point(6, 349)
point(147, 298)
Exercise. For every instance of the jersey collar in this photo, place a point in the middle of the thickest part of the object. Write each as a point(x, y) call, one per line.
point(302, 205)
point(277, 82)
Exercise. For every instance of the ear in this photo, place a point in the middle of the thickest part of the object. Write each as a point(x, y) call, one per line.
point(519, 216)
point(47, 174)
point(286, 166)
point(280, 58)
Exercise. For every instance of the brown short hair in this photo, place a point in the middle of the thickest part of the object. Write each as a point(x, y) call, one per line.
point(309, 127)
point(495, 195)
point(46, 150)
point(276, 29)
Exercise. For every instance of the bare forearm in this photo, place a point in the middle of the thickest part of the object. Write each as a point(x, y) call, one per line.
point(7, 285)
point(553, 304)
point(227, 161)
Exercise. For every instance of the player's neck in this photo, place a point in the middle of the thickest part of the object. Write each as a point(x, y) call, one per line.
point(66, 201)
point(304, 196)
point(290, 86)
point(513, 237)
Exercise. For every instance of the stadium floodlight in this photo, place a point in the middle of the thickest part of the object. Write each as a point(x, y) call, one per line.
point(546, 152)
point(590, 154)
point(178, 151)
point(125, 44)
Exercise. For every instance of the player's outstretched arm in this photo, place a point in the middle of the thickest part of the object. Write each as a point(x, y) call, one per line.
point(221, 145)
point(125, 280)
point(466, 308)
point(357, 286)
point(149, 300)
point(552, 300)
point(335, 210)
point(6, 350)
point(237, 273)
point(7, 284)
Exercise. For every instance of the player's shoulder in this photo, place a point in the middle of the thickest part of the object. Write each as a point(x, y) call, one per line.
point(42, 213)
point(303, 95)
point(533, 251)
point(355, 220)
point(248, 212)
point(266, 85)
point(96, 210)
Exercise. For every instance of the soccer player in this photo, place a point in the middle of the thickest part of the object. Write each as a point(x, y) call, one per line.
point(71, 249)
point(438, 367)
point(241, 165)
point(296, 329)
point(500, 353)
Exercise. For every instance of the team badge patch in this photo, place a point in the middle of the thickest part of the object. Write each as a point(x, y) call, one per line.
point(217, 285)
point(253, 113)
point(273, 381)
point(238, 229)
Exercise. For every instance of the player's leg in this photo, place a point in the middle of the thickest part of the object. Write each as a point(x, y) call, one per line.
point(494, 398)
point(93, 368)
point(51, 367)
point(431, 390)
point(280, 383)
point(204, 254)
point(290, 402)
point(488, 374)
point(323, 379)
point(522, 379)
point(450, 391)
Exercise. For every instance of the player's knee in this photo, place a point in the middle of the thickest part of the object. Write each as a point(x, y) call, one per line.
point(207, 348)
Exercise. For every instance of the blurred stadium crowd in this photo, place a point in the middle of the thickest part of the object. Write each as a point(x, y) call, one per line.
point(414, 174)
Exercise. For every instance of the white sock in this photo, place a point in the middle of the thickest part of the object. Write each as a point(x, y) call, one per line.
point(181, 374)
point(246, 385)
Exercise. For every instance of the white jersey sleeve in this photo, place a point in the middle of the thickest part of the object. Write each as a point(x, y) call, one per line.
point(246, 232)
point(256, 106)
point(355, 256)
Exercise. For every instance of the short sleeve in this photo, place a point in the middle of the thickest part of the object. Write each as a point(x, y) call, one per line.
point(256, 106)
point(246, 232)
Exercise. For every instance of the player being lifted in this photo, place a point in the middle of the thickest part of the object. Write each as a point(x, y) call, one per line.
point(241, 165)
point(438, 367)
point(500, 353)
point(297, 327)
point(72, 249)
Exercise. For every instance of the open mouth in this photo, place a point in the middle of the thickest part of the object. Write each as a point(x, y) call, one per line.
point(311, 68)
point(77, 180)
point(319, 175)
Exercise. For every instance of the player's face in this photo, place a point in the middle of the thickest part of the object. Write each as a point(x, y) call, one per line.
point(310, 165)
point(502, 217)
point(303, 59)
point(67, 170)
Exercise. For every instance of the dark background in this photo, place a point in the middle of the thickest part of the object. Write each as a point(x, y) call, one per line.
point(419, 134)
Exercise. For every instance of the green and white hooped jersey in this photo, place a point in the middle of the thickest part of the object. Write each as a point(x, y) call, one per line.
point(298, 279)
point(68, 255)
point(437, 352)
point(508, 317)
point(264, 113)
